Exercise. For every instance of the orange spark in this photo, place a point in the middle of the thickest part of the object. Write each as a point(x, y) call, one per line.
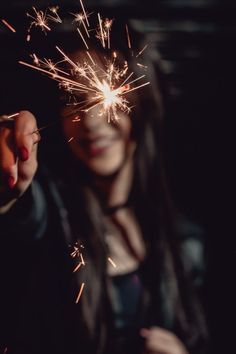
point(112, 262)
point(79, 17)
point(77, 267)
point(142, 66)
point(40, 19)
point(101, 30)
point(54, 17)
point(85, 15)
point(86, 45)
point(128, 36)
point(80, 293)
point(141, 51)
point(7, 24)
point(82, 259)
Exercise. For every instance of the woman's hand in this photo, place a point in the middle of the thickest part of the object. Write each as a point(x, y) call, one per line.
point(18, 158)
point(161, 341)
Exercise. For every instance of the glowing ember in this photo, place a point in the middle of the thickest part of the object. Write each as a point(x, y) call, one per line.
point(7, 24)
point(77, 267)
point(40, 19)
point(80, 293)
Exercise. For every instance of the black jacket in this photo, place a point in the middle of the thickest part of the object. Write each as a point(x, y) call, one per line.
point(38, 313)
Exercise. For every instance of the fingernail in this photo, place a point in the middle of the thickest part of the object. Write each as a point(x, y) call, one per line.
point(24, 154)
point(11, 182)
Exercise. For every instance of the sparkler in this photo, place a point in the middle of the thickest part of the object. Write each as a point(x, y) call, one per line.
point(105, 85)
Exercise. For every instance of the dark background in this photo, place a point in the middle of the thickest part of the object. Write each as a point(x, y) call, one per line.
point(195, 41)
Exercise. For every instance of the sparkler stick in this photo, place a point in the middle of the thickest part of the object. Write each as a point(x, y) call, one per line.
point(12, 115)
point(112, 262)
point(9, 121)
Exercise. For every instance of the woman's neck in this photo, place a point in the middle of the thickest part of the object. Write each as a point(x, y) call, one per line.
point(114, 191)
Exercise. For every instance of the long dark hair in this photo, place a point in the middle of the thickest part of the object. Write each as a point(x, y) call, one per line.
point(153, 206)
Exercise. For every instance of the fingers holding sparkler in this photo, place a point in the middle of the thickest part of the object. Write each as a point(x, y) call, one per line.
point(18, 154)
point(8, 160)
point(26, 134)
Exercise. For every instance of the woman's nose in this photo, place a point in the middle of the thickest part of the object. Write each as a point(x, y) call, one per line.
point(93, 120)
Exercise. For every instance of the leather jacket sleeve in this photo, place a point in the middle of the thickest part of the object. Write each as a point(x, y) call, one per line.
point(27, 219)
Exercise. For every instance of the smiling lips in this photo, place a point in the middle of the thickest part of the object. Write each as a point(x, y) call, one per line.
point(97, 145)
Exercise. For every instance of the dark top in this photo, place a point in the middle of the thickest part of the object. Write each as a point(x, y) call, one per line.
point(37, 315)
point(126, 294)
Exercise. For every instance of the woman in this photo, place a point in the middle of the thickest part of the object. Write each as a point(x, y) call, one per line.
point(125, 283)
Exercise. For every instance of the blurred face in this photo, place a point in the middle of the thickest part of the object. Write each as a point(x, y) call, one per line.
point(102, 146)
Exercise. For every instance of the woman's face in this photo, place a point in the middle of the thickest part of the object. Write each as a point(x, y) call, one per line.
point(101, 145)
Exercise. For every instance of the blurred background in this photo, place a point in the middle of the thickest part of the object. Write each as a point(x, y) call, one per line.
point(195, 40)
